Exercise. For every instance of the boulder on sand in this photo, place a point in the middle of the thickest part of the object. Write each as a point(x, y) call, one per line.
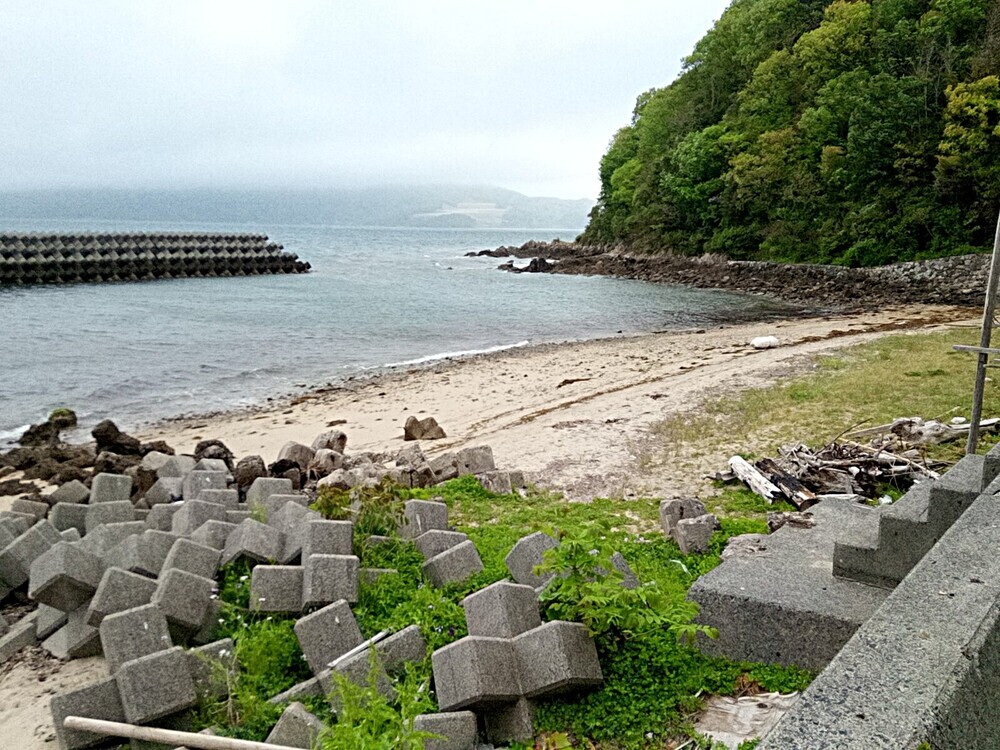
point(422, 429)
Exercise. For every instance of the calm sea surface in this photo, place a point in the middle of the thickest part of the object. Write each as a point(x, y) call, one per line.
point(141, 351)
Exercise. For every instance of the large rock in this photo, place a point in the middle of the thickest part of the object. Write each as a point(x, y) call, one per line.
point(333, 440)
point(247, 470)
point(301, 455)
point(214, 449)
point(422, 429)
point(112, 440)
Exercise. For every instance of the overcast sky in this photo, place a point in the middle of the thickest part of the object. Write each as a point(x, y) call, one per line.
point(255, 93)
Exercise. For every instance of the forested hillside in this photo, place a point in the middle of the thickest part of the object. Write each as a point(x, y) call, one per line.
point(802, 130)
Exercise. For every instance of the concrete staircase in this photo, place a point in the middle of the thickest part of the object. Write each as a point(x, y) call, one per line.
point(911, 526)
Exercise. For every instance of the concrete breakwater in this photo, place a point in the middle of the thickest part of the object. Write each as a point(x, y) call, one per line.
point(73, 258)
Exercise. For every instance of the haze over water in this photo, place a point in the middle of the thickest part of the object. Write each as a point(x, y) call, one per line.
point(136, 352)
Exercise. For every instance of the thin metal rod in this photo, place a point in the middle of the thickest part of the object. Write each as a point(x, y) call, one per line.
point(166, 736)
point(989, 308)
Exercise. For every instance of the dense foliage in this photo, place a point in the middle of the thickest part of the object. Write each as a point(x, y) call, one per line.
point(854, 132)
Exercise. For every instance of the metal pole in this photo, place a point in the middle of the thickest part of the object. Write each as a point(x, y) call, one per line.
point(165, 736)
point(984, 342)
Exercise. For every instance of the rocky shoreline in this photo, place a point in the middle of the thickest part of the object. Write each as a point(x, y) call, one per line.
point(956, 280)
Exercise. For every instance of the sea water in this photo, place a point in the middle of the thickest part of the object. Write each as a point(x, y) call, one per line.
point(137, 352)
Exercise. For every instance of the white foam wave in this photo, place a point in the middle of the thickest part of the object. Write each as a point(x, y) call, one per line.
point(464, 353)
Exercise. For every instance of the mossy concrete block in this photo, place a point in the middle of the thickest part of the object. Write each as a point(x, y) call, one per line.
point(213, 534)
point(16, 558)
point(296, 728)
point(694, 534)
point(263, 487)
point(74, 493)
point(156, 686)
point(454, 565)
point(368, 576)
point(254, 541)
point(421, 516)
point(359, 670)
point(186, 554)
point(133, 633)
point(327, 634)
point(502, 610)
point(401, 648)
point(526, 555)
point(97, 701)
point(165, 490)
point(676, 509)
point(184, 599)
point(193, 513)
point(476, 671)
point(436, 541)
point(211, 665)
point(276, 588)
point(557, 657)
point(198, 481)
point(511, 722)
point(329, 578)
point(118, 591)
point(328, 538)
point(456, 730)
point(111, 488)
point(65, 576)
point(106, 513)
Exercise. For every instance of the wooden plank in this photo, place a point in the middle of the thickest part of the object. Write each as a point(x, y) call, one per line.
point(797, 493)
point(166, 736)
point(754, 479)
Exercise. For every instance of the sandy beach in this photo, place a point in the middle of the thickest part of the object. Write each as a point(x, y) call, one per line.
point(576, 417)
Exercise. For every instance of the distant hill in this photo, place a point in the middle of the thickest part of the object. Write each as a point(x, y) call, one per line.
point(397, 206)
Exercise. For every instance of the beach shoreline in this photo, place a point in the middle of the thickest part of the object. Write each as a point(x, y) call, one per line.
point(575, 416)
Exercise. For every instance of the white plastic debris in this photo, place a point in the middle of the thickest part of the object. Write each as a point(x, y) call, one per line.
point(765, 342)
point(735, 720)
point(958, 420)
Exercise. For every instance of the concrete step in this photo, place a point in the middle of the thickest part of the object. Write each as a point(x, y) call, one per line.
point(782, 604)
point(911, 526)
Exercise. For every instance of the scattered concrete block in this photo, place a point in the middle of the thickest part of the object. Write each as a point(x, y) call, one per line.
point(213, 534)
point(106, 513)
point(118, 591)
point(188, 555)
point(292, 521)
point(497, 482)
point(525, 555)
point(326, 634)
point(273, 503)
point(306, 689)
point(184, 599)
point(328, 538)
point(16, 557)
point(71, 535)
point(177, 466)
point(107, 537)
point(454, 565)
point(74, 640)
point(406, 646)
point(154, 460)
point(254, 541)
point(193, 513)
point(296, 728)
point(376, 539)
point(34, 509)
point(133, 633)
point(676, 509)
point(444, 466)
point(21, 634)
point(228, 498)
point(629, 579)
point(49, 620)
point(161, 517)
point(502, 610)
point(198, 481)
point(238, 516)
point(74, 493)
point(97, 701)
point(155, 686)
point(694, 534)
point(360, 669)
point(8, 535)
point(475, 460)
point(143, 553)
point(209, 630)
point(510, 722)
point(434, 542)
point(330, 578)
point(368, 576)
point(165, 490)
point(210, 665)
point(276, 588)
point(556, 657)
point(476, 671)
point(16, 523)
point(111, 488)
point(456, 730)
point(211, 464)
point(263, 487)
point(65, 576)
point(420, 516)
